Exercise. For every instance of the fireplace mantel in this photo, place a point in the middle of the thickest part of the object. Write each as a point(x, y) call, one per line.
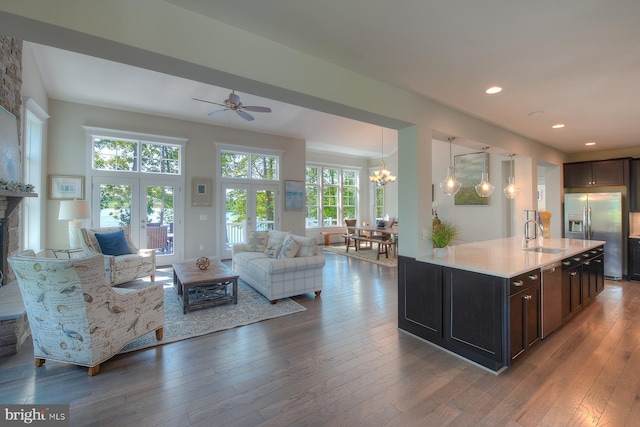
point(10, 199)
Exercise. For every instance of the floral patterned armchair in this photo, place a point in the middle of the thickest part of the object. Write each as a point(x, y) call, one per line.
point(136, 263)
point(75, 316)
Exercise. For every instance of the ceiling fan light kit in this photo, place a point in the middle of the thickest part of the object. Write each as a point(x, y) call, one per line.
point(233, 103)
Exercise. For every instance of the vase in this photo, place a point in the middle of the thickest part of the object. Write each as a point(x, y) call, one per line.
point(441, 252)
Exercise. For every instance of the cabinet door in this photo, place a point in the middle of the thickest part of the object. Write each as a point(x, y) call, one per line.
point(634, 259)
point(524, 321)
point(597, 267)
point(634, 186)
point(473, 314)
point(577, 175)
point(420, 299)
point(609, 172)
point(571, 290)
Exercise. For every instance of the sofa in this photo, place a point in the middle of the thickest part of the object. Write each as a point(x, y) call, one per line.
point(123, 261)
point(279, 264)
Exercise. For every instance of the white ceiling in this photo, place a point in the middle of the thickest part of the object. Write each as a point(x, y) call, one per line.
point(577, 61)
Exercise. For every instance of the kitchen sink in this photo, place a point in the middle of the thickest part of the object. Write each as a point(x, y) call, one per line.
point(545, 250)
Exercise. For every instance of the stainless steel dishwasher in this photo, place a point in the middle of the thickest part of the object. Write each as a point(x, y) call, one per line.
point(551, 306)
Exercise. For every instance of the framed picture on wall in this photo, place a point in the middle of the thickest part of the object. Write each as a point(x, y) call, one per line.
point(293, 195)
point(469, 169)
point(66, 187)
point(201, 191)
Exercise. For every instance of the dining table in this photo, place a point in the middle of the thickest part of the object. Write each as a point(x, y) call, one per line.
point(367, 233)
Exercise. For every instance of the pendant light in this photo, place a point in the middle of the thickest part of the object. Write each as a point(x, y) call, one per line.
point(485, 188)
point(450, 185)
point(382, 176)
point(511, 191)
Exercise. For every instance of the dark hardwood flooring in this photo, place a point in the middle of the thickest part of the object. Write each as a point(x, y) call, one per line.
point(344, 363)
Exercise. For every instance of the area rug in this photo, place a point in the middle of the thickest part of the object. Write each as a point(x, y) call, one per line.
point(252, 307)
point(364, 254)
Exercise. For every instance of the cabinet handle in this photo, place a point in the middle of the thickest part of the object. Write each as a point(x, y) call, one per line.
point(533, 277)
point(566, 262)
point(518, 283)
point(599, 261)
point(576, 259)
point(573, 273)
point(587, 263)
point(527, 297)
point(552, 270)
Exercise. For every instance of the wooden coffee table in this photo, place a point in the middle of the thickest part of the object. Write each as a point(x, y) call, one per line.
point(204, 288)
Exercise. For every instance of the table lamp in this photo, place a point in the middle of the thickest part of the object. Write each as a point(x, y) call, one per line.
point(74, 211)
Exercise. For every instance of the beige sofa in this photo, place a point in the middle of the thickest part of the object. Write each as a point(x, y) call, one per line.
point(120, 268)
point(279, 264)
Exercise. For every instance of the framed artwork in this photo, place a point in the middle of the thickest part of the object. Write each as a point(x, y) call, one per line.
point(469, 169)
point(66, 187)
point(201, 191)
point(293, 195)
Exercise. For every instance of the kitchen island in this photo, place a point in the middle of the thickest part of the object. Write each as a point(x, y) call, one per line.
point(485, 301)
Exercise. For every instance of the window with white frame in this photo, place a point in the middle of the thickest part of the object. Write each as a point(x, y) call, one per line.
point(331, 195)
point(235, 164)
point(125, 155)
point(32, 173)
point(378, 195)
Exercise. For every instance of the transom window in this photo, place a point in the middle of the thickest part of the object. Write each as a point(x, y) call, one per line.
point(123, 155)
point(248, 165)
point(331, 195)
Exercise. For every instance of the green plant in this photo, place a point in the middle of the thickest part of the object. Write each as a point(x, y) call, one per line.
point(444, 234)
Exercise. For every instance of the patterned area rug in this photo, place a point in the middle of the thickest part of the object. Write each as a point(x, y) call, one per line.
point(364, 254)
point(252, 307)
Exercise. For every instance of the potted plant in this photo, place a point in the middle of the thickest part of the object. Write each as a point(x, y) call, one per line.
point(443, 234)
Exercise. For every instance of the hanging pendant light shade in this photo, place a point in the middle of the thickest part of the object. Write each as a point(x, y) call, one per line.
point(511, 191)
point(382, 176)
point(485, 188)
point(450, 185)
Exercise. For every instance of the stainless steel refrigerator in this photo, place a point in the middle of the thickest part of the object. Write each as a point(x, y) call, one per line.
point(597, 216)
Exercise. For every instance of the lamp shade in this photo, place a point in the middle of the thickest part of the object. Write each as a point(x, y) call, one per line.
point(74, 209)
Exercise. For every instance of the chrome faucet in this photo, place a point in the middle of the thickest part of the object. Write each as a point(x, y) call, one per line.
point(525, 237)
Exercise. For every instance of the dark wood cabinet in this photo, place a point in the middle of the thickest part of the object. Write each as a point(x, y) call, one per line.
point(633, 265)
point(600, 173)
point(571, 287)
point(420, 299)
point(634, 186)
point(473, 313)
point(524, 314)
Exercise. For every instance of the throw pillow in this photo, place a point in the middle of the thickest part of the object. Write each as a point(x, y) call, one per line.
point(113, 243)
point(307, 246)
point(272, 251)
point(257, 240)
point(289, 248)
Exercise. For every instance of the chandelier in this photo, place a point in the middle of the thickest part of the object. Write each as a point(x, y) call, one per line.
point(450, 185)
point(382, 176)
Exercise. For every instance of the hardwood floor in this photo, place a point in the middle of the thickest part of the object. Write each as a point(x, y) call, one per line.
point(344, 363)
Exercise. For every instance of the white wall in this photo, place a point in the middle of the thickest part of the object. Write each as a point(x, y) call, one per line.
point(68, 156)
point(476, 222)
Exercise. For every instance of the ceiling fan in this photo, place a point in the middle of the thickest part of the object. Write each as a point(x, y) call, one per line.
point(233, 103)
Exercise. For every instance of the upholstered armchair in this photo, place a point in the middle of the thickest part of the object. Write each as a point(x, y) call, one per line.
point(75, 316)
point(123, 262)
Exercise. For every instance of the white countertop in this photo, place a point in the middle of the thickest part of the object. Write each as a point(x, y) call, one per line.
point(505, 257)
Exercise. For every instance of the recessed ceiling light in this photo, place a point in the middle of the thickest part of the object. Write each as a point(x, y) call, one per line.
point(536, 113)
point(558, 126)
point(493, 90)
point(590, 143)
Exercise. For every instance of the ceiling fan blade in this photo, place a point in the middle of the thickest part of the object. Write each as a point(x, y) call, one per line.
point(210, 102)
point(213, 113)
point(244, 115)
point(258, 109)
